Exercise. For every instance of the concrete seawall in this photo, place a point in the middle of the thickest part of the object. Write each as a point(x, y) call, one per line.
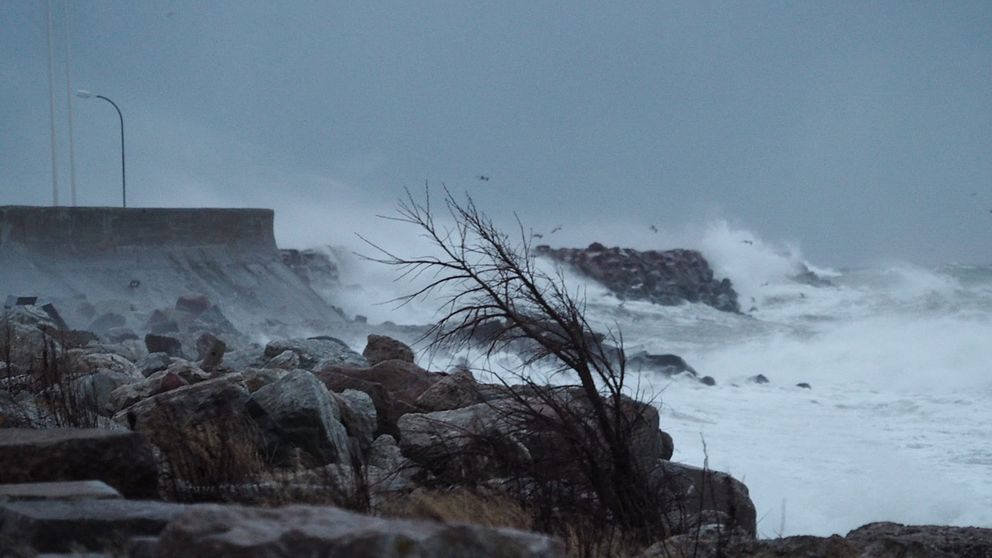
point(146, 258)
point(86, 230)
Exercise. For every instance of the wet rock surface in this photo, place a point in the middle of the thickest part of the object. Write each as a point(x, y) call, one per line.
point(668, 277)
point(124, 460)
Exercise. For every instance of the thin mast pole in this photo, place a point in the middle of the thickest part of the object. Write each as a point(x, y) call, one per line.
point(68, 96)
point(51, 104)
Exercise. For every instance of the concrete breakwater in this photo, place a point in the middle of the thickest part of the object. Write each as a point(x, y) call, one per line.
point(147, 257)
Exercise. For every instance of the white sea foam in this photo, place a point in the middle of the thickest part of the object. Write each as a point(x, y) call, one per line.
point(897, 424)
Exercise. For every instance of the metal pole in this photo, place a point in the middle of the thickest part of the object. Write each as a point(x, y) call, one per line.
point(51, 104)
point(123, 174)
point(68, 95)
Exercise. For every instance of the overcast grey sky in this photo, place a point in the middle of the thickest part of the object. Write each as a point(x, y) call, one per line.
point(861, 130)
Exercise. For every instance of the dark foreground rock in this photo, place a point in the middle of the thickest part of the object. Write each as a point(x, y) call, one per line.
point(71, 526)
point(213, 531)
point(875, 540)
point(670, 277)
point(124, 460)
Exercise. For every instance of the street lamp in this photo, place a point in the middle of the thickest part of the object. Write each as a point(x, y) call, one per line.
point(82, 93)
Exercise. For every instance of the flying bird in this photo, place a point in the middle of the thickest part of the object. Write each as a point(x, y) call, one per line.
point(556, 229)
point(537, 235)
point(653, 228)
point(483, 178)
point(749, 242)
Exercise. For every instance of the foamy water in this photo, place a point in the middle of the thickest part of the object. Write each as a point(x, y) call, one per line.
point(898, 423)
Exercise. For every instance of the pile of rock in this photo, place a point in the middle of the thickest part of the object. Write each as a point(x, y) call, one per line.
point(667, 277)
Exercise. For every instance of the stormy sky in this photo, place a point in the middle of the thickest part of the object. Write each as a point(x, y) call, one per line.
point(860, 130)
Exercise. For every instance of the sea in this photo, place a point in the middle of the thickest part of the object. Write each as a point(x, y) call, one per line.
point(896, 421)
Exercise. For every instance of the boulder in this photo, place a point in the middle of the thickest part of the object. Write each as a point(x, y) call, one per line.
point(233, 531)
point(82, 362)
point(286, 360)
point(256, 378)
point(667, 445)
point(358, 416)
point(119, 334)
point(20, 411)
point(487, 437)
point(152, 363)
point(74, 526)
point(124, 460)
point(161, 322)
point(165, 415)
point(380, 348)
point(312, 351)
point(456, 390)
point(210, 351)
point(393, 385)
point(297, 411)
point(666, 364)
point(128, 394)
point(695, 497)
point(163, 344)
point(96, 389)
point(107, 321)
point(193, 304)
point(27, 345)
point(938, 541)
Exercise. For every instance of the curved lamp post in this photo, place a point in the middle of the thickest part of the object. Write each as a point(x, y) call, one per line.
point(86, 95)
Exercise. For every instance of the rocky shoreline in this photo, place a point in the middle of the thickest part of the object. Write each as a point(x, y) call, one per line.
point(129, 481)
point(171, 432)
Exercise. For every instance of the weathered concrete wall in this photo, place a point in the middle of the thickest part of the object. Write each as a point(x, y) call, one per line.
point(146, 258)
point(84, 230)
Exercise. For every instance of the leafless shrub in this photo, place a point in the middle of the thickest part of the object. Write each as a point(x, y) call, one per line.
point(580, 470)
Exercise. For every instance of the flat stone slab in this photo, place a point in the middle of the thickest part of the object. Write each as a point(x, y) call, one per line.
point(122, 459)
point(65, 490)
point(215, 531)
point(72, 526)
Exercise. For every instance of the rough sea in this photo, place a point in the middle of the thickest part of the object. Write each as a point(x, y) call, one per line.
point(897, 423)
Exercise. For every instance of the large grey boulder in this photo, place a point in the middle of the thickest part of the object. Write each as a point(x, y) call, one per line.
point(316, 350)
point(210, 350)
point(152, 363)
point(527, 429)
point(164, 416)
point(456, 390)
point(130, 393)
point(695, 497)
point(27, 345)
point(73, 526)
point(358, 416)
point(298, 411)
point(83, 362)
point(20, 411)
point(96, 389)
point(213, 531)
point(124, 460)
point(393, 385)
point(380, 348)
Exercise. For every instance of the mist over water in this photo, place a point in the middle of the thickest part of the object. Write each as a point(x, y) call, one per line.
point(897, 425)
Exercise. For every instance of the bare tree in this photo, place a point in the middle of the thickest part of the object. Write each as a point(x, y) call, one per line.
point(493, 291)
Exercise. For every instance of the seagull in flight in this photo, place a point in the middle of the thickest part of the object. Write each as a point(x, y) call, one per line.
point(556, 229)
